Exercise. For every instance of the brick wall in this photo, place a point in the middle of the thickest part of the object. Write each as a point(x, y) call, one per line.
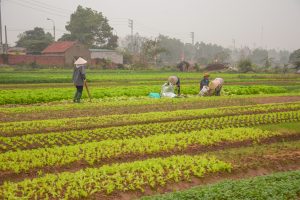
point(38, 59)
point(50, 60)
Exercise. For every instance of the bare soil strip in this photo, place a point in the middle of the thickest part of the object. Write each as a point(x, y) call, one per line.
point(191, 150)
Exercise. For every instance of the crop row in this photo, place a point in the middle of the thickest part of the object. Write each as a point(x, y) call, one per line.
point(95, 152)
point(118, 177)
point(84, 136)
point(63, 76)
point(29, 96)
point(36, 126)
point(283, 186)
point(107, 103)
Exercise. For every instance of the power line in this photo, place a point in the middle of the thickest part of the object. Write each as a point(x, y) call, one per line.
point(32, 3)
point(36, 9)
point(51, 6)
point(180, 35)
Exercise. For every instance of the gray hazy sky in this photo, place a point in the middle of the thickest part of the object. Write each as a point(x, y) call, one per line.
point(255, 23)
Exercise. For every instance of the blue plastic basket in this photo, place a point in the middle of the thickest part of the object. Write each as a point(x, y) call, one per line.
point(154, 95)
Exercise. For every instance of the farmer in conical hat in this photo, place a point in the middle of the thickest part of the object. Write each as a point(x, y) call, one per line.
point(79, 78)
point(175, 81)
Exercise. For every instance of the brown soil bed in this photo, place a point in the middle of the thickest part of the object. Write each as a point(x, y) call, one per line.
point(100, 111)
point(88, 126)
point(191, 150)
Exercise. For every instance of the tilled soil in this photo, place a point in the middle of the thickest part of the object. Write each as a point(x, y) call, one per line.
point(100, 111)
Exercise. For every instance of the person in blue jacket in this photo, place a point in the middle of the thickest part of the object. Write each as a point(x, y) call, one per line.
point(204, 81)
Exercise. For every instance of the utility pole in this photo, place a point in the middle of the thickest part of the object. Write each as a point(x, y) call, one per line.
point(53, 27)
point(262, 37)
point(193, 37)
point(193, 47)
point(6, 45)
point(1, 43)
point(130, 25)
point(233, 41)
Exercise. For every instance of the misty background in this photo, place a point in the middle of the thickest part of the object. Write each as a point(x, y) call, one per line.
point(206, 30)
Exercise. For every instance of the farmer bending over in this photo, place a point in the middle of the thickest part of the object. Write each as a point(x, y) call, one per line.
point(175, 81)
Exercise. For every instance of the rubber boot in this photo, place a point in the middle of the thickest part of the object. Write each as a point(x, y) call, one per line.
point(75, 97)
point(79, 94)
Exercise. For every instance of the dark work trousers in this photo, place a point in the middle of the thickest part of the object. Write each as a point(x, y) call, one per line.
point(78, 94)
point(178, 86)
point(218, 91)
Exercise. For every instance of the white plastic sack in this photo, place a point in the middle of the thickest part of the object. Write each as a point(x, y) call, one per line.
point(204, 90)
point(168, 94)
point(167, 90)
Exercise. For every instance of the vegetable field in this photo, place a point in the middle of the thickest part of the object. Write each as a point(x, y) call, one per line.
point(123, 144)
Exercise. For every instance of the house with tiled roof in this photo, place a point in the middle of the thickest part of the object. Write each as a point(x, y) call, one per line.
point(70, 50)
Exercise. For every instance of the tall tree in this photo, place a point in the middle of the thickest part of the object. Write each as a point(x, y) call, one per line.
point(133, 44)
point(268, 61)
point(34, 40)
point(259, 56)
point(208, 53)
point(174, 49)
point(223, 56)
point(295, 58)
point(245, 65)
point(151, 49)
point(284, 56)
point(90, 28)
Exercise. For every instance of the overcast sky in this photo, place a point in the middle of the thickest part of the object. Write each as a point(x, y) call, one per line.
point(252, 23)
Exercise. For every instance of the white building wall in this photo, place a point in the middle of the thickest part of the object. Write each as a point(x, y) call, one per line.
point(109, 55)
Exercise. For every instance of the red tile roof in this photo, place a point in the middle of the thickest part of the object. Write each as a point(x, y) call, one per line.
point(58, 47)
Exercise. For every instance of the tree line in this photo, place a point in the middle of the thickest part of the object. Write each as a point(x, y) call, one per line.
point(92, 29)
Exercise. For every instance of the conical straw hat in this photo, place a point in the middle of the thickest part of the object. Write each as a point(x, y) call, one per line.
point(173, 80)
point(80, 61)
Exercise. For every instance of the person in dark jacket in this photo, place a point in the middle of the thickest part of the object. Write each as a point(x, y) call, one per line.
point(204, 81)
point(79, 78)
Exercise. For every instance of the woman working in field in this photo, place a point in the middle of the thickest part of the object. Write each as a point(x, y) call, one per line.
point(79, 78)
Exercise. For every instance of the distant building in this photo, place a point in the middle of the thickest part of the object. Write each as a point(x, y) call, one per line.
point(106, 54)
point(70, 50)
point(16, 51)
point(217, 66)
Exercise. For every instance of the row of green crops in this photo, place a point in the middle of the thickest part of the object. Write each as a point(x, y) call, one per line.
point(124, 132)
point(114, 120)
point(65, 76)
point(118, 177)
point(95, 152)
point(108, 103)
point(278, 186)
point(29, 96)
point(279, 82)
